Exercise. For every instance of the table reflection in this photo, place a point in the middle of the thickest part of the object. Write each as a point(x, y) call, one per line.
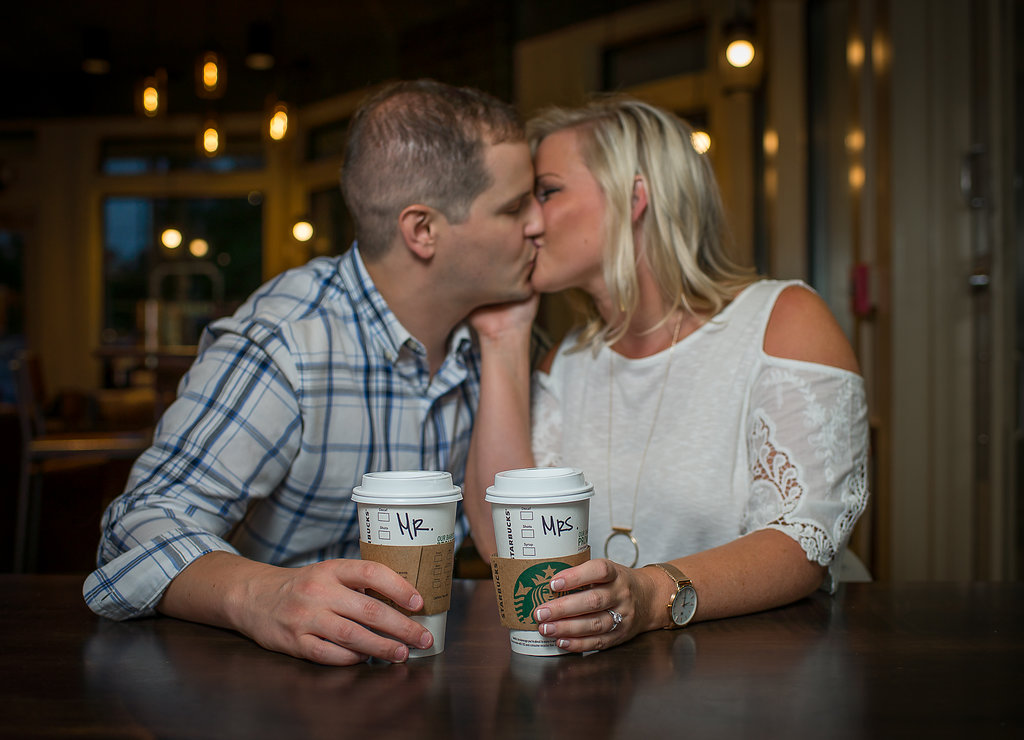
point(166, 675)
point(796, 672)
point(876, 660)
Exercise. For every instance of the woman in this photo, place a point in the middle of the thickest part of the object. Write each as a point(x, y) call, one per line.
point(721, 418)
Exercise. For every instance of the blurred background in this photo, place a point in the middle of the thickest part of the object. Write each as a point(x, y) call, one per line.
point(159, 160)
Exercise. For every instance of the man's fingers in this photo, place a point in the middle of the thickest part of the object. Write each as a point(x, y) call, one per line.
point(357, 609)
point(366, 574)
point(326, 652)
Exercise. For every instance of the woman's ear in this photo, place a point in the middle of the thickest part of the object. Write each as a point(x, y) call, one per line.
point(639, 202)
point(419, 225)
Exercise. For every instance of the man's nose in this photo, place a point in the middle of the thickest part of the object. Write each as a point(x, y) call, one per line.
point(534, 220)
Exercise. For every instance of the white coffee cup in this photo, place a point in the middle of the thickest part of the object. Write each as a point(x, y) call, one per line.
point(413, 508)
point(539, 513)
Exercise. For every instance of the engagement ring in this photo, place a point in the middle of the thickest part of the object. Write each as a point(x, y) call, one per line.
point(616, 619)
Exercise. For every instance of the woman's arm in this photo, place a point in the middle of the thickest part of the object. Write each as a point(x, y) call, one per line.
point(763, 569)
point(501, 431)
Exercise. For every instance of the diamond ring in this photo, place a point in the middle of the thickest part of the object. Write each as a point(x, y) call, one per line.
point(616, 619)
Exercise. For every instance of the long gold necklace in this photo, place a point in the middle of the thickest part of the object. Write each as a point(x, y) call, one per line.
point(627, 532)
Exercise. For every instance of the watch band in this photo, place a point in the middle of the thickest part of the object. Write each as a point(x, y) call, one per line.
point(673, 572)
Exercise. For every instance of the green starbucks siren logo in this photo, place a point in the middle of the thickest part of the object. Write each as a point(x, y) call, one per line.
point(533, 587)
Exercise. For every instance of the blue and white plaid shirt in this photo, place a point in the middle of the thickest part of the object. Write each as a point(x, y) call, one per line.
point(311, 383)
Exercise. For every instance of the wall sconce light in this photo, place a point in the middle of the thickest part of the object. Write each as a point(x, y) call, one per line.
point(151, 95)
point(739, 44)
point(302, 230)
point(741, 62)
point(211, 75)
point(211, 138)
point(277, 125)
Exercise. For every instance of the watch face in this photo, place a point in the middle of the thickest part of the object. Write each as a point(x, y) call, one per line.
point(684, 605)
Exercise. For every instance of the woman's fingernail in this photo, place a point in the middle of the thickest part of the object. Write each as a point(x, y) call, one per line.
point(426, 639)
point(542, 615)
point(564, 644)
point(547, 629)
point(416, 602)
point(401, 654)
point(558, 584)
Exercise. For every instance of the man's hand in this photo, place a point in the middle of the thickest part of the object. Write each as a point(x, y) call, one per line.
point(318, 612)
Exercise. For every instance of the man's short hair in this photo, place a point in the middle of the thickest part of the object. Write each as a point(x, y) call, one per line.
point(420, 142)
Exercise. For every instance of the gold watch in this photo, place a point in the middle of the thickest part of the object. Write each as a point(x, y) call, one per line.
point(683, 604)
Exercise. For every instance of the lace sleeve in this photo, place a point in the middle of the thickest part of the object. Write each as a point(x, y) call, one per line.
point(807, 444)
point(546, 420)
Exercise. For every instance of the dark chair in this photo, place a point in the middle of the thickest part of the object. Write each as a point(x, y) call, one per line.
point(44, 450)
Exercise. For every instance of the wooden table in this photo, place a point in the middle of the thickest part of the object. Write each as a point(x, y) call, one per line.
point(877, 660)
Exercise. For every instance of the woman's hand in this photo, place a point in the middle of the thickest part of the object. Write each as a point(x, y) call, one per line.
point(505, 321)
point(583, 621)
point(501, 431)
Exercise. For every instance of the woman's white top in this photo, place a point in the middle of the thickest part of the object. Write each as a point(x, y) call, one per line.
point(742, 441)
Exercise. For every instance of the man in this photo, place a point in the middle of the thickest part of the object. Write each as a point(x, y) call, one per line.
point(240, 514)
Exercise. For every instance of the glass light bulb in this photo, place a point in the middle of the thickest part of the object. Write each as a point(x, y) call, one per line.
point(701, 141)
point(279, 123)
point(303, 231)
point(210, 75)
point(171, 238)
point(211, 139)
point(150, 100)
point(740, 53)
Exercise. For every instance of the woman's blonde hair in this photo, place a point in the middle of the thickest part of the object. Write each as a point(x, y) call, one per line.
point(684, 233)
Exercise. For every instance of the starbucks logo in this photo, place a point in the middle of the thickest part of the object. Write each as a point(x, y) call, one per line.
point(533, 587)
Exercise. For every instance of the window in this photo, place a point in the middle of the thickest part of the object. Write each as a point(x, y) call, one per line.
point(327, 141)
point(12, 252)
point(214, 268)
point(335, 229)
point(177, 154)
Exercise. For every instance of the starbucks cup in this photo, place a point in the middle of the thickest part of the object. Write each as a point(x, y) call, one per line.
point(407, 522)
point(540, 515)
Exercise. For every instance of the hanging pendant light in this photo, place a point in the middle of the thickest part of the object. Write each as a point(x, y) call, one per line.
point(151, 95)
point(741, 58)
point(211, 75)
point(259, 53)
point(739, 44)
point(277, 123)
point(211, 137)
point(96, 51)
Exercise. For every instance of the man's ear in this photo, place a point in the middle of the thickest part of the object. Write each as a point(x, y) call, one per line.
point(419, 226)
point(639, 201)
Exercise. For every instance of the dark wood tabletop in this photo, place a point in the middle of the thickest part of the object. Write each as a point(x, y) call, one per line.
point(876, 660)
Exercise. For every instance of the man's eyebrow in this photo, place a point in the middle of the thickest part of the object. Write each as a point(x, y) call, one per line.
point(518, 199)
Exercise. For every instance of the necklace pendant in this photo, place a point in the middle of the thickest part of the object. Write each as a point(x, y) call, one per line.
point(626, 532)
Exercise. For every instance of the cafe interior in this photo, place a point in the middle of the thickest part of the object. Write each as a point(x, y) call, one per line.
point(159, 161)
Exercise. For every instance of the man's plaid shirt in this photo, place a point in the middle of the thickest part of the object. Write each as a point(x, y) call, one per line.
point(311, 383)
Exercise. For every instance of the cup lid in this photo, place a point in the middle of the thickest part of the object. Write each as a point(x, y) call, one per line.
point(389, 487)
point(539, 486)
